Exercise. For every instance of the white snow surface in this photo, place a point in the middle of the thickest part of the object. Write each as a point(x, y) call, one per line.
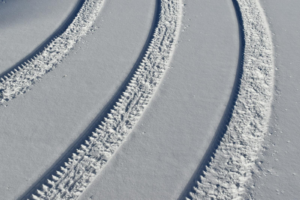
point(78, 172)
point(160, 156)
point(18, 80)
point(278, 171)
point(26, 25)
point(65, 103)
point(174, 139)
point(231, 167)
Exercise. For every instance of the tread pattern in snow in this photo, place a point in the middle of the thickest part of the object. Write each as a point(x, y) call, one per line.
point(82, 167)
point(19, 80)
point(230, 168)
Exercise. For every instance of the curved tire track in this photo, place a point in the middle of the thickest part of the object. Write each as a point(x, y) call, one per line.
point(22, 77)
point(230, 168)
point(84, 164)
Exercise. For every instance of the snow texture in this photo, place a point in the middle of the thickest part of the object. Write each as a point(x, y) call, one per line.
point(19, 80)
point(231, 166)
point(84, 165)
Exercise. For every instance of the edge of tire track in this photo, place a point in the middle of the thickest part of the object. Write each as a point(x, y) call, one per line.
point(230, 168)
point(222, 127)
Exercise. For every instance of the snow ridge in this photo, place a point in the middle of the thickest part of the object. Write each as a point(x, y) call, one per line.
point(82, 167)
point(232, 164)
point(19, 80)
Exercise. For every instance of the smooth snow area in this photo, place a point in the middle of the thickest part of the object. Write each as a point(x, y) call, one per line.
point(279, 164)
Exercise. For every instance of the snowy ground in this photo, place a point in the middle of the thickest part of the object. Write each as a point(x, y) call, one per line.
point(280, 175)
point(168, 149)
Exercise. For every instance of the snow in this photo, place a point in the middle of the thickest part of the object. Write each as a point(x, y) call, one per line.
point(20, 78)
point(231, 166)
point(27, 26)
point(278, 174)
point(59, 109)
point(83, 165)
point(163, 148)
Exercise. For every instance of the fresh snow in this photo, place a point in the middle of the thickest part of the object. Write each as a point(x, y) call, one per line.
point(26, 33)
point(277, 175)
point(160, 156)
point(206, 129)
point(19, 79)
point(66, 103)
point(232, 164)
point(77, 173)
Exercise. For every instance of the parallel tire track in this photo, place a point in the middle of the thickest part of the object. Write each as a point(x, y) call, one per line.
point(19, 80)
point(82, 167)
point(231, 166)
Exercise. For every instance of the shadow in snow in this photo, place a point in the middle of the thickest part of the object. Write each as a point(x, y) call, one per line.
point(98, 119)
point(222, 127)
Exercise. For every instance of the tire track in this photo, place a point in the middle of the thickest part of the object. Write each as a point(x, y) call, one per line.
point(230, 168)
point(81, 168)
point(21, 77)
